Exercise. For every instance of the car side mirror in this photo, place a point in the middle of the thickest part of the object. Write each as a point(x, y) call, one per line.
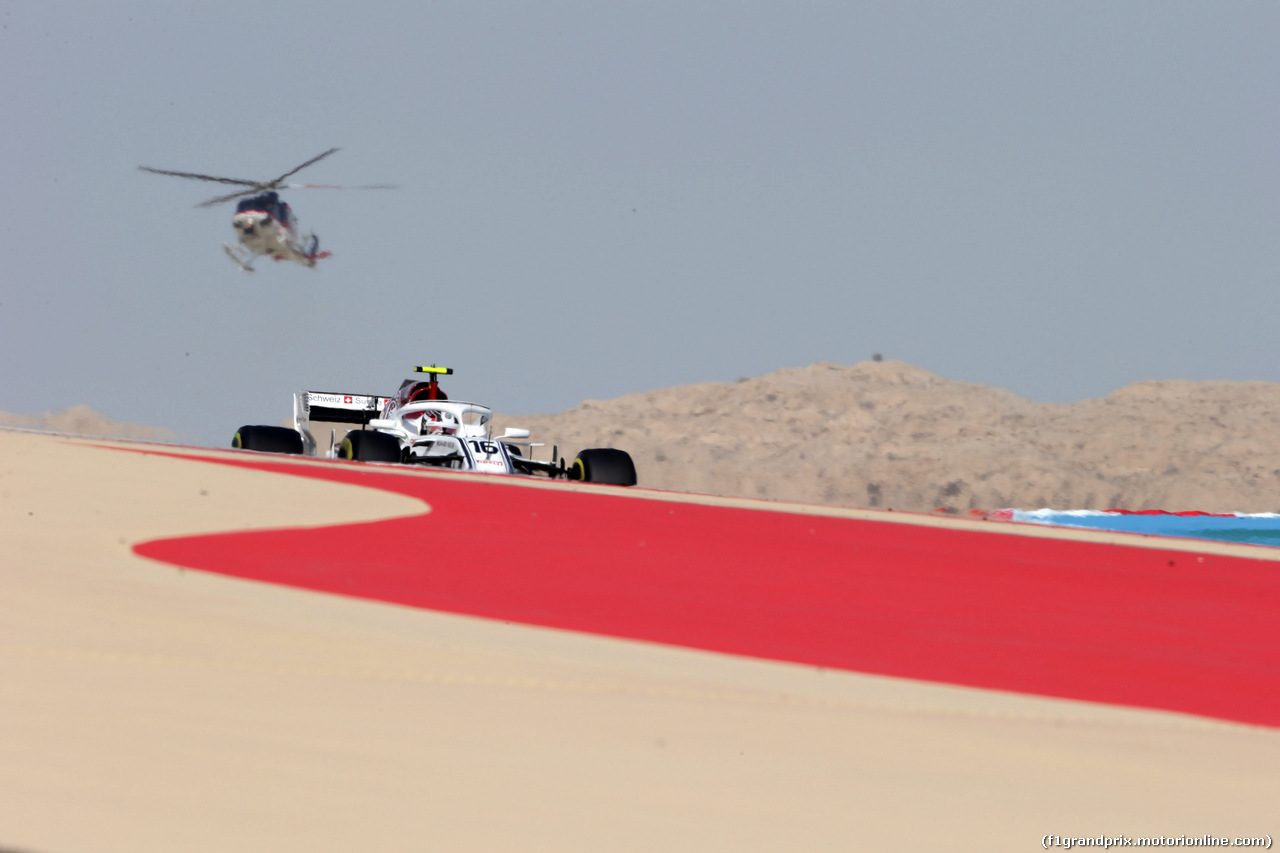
point(512, 432)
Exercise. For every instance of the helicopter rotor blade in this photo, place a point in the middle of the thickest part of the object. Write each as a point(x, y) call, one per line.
point(229, 197)
point(260, 186)
point(197, 177)
point(278, 181)
point(336, 187)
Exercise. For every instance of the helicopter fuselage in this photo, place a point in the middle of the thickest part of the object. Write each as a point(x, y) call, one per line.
point(265, 225)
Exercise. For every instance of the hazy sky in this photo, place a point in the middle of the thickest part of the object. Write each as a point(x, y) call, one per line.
point(600, 198)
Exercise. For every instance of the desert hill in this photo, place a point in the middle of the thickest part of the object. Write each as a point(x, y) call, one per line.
point(889, 435)
point(83, 420)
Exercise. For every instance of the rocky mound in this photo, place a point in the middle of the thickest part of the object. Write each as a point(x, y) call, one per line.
point(889, 435)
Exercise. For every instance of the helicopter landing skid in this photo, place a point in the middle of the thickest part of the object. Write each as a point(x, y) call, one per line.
point(239, 261)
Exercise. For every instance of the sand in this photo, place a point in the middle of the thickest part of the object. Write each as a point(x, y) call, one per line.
point(148, 708)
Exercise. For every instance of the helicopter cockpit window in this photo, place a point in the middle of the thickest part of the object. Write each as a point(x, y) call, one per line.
point(258, 202)
point(268, 203)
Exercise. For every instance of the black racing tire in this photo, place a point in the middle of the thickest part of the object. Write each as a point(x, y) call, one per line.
point(268, 439)
point(604, 465)
point(365, 445)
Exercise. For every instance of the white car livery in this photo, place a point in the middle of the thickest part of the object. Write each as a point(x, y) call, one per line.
point(419, 425)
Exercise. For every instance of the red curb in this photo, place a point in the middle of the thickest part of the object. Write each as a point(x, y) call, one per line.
point(1135, 626)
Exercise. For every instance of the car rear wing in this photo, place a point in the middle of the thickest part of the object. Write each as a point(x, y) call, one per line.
point(338, 408)
point(330, 407)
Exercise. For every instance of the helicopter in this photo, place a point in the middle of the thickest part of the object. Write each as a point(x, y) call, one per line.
point(264, 223)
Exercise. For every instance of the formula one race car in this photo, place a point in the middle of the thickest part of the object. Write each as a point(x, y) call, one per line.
point(420, 425)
